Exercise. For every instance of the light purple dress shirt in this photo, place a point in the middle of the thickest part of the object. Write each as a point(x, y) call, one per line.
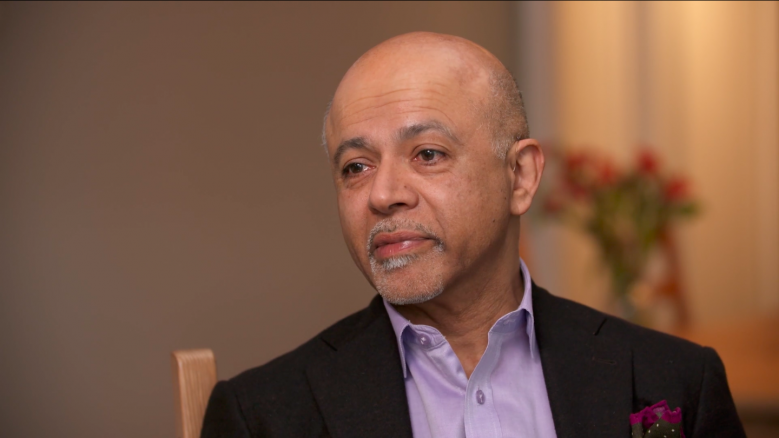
point(506, 394)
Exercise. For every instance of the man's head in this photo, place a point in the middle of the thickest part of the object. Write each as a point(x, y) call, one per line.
point(432, 166)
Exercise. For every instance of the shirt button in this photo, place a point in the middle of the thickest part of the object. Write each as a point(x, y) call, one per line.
point(480, 397)
point(424, 340)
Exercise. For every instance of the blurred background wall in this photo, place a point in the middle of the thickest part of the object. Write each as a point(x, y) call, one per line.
point(162, 184)
point(699, 83)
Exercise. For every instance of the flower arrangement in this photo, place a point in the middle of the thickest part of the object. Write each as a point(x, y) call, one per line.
point(628, 212)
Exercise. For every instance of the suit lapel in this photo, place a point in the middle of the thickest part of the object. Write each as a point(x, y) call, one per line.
point(359, 387)
point(588, 379)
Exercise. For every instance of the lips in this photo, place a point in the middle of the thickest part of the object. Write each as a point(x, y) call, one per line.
point(387, 245)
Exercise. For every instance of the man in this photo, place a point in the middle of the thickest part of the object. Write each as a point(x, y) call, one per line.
point(433, 168)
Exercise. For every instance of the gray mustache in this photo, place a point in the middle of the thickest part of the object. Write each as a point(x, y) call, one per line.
point(390, 225)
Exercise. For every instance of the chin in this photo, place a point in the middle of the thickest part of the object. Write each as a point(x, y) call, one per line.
point(408, 279)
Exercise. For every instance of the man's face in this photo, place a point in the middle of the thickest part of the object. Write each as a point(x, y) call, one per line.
point(423, 198)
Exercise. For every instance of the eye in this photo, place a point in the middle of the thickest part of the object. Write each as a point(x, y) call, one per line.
point(430, 155)
point(354, 169)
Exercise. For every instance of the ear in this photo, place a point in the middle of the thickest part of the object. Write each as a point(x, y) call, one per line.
point(526, 164)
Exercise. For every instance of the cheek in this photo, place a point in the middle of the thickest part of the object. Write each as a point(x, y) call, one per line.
point(469, 208)
point(352, 211)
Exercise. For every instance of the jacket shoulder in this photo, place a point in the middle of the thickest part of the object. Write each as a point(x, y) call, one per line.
point(270, 394)
point(686, 375)
point(664, 367)
point(610, 328)
point(296, 361)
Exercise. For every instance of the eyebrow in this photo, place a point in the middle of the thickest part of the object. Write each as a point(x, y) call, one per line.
point(408, 132)
point(352, 143)
point(404, 134)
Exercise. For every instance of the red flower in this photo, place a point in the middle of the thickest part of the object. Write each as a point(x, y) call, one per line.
point(676, 189)
point(553, 205)
point(580, 174)
point(647, 162)
point(576, 160)
point(607, 174)
point(575, 189)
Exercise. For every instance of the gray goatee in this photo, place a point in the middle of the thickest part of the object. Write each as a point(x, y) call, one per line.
point(402, 290)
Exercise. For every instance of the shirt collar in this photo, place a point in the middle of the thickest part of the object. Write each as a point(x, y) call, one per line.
point(511, 320)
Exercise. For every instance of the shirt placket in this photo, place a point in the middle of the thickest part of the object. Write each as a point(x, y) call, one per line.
point(481, 418)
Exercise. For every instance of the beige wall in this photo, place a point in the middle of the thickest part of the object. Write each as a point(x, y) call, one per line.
point(700, 82)
point(162, 187)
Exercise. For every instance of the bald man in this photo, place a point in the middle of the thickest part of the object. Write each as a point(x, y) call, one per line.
point(433, 167)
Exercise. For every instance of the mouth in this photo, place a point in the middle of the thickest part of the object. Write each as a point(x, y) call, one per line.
point(386, 245)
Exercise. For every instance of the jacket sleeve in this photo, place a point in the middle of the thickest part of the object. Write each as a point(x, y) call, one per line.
point(716, 415)
point(224, 417)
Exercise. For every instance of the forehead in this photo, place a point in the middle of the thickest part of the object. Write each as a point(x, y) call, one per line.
point(386, 92)
point(387, 104)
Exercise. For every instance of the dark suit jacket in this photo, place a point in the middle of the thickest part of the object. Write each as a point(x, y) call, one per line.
point(348, 381)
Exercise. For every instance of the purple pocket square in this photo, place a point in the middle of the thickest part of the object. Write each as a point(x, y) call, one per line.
point(657, 421)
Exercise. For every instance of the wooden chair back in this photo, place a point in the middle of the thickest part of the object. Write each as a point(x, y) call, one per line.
point(194, 377)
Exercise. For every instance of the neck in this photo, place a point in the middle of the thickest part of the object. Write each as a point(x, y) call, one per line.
point(466, 312)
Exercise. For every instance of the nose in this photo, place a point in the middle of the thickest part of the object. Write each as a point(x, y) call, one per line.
point(391, 190)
